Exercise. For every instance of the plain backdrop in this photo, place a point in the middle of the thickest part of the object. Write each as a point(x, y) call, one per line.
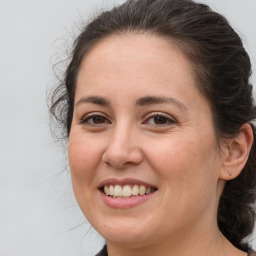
point(38, 213)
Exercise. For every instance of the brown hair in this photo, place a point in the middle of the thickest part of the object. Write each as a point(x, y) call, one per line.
point(222, 67)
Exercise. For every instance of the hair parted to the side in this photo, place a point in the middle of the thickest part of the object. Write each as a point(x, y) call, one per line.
point(222, 68)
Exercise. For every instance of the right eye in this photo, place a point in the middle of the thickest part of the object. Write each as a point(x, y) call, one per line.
point(95, 120)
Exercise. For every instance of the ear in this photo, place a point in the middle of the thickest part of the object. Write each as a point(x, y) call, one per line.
point(236, 152)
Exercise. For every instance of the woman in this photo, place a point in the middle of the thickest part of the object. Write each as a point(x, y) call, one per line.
point(158, 111)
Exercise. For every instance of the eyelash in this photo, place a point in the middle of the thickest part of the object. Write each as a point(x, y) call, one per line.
point(166, 118)
point(169, 120)
point(85, 119)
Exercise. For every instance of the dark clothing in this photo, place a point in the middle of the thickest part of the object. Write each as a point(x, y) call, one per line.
point(104, 252)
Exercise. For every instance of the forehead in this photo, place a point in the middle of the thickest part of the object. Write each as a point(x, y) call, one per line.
point(134, 48)
point(140, 56)
point(135, 65)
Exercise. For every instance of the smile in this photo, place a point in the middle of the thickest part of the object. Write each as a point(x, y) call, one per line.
point(124, 191)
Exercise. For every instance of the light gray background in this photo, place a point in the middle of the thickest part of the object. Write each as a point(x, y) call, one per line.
point(38, 213)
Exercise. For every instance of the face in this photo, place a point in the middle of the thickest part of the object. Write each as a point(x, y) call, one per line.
point(143, 153)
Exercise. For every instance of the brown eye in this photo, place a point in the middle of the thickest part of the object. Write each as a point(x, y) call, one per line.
point(95, 120)
point(159, 120)
point(98, 120)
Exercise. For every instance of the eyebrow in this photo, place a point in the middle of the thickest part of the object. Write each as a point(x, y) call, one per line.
point(144, 101)
point(150, 100)
point(93, 99)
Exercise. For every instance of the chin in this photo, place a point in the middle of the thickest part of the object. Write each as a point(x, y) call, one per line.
point(126, 231)
point(126, 237)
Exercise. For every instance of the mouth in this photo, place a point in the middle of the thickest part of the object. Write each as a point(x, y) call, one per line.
point(127, 190)
point(126, 193)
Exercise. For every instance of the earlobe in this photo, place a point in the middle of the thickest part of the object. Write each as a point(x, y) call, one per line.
point(236, 153)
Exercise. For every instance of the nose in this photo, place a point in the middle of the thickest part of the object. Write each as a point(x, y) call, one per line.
point(123, 148)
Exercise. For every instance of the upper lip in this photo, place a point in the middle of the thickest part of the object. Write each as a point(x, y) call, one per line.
point(126, 181)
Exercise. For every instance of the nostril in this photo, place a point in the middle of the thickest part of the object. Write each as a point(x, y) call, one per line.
point(122, 158)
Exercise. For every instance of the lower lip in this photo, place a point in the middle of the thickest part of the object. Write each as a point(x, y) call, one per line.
point(123, 203)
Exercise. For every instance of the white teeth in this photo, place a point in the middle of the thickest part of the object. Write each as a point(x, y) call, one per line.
point(118, 191)
point(142, 190)
point(106, 190)
point(127, 190)
point(111, 190)
point(135, 190)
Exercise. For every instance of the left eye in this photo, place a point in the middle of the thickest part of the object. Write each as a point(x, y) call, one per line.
point(159, 119)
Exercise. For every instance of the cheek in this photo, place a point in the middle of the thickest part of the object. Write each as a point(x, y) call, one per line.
point(186, 163)
point(174, 155)
point(84, 157)
point(188, 171)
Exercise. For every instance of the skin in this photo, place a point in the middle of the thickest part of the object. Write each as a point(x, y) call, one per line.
point(180, 156)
